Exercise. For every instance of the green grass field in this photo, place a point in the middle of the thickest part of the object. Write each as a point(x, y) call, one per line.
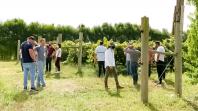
point(69, 92)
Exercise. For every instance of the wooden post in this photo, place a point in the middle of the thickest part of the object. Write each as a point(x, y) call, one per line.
point(178, 45)
point(144, 58)
point(18, 50)
point(80, 53)
point(59, 39)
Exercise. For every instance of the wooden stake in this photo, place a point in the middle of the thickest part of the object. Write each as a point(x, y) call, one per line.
point(80, 53)
point(144, 59)
point(59, 39)
point(178, 46)
point(18, 50)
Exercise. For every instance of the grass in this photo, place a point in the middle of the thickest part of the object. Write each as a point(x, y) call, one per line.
point(69, 92)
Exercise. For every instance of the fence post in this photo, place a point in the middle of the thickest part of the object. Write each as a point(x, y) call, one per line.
point(18, 50)
point(144, 58)
point(59, 39)
point(80, 53)
point(178, 22)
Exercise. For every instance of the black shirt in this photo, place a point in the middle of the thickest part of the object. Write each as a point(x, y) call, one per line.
point(25, 46)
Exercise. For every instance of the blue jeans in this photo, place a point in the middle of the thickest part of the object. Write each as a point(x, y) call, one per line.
point(128, 67)
point(40, 68)
point(134, 71)
point(29, 67)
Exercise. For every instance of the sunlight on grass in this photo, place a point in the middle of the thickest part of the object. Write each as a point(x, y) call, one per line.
point(69, 92)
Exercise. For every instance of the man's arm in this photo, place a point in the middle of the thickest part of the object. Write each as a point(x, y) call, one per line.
point(32, 54)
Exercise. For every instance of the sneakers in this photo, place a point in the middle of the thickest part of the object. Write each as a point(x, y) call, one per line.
point(120, 87)
point(34, 89)
point(43, 85)
point(25, 88)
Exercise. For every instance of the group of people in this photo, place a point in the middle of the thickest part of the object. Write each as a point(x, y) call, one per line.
point(106, 62)
point(34, 57)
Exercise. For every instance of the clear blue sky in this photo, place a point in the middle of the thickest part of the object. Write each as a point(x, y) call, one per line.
point(93, 12)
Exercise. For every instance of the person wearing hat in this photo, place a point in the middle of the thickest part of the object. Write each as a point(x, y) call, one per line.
point(110, 66)
point(28, 58)
point(100, 54)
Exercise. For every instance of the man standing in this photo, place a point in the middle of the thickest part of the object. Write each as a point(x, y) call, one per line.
point(50, 53)
point(110, 66)
point(100, 53)
point(159, 58)
point(28, 58)
point(134, 56)
point(40, 63)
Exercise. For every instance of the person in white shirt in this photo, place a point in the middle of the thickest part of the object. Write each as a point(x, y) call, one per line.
point(58, 58)
point(100, 54)
point(128, 59)
point(110, 66)
point(159, 58)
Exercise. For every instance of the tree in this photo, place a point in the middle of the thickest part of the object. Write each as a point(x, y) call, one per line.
point(191, 52)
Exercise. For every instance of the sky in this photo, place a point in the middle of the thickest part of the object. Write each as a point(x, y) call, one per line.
point(93, 12)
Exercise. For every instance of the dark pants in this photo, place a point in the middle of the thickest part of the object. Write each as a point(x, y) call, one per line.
point(160, 70)
point(150, 70)
point(111, 71)
point(48, 63)
point(128, 67)
point(134, 72)
point(57, 63)
point(101, 66)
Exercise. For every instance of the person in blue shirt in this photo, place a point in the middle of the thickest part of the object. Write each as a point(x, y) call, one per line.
point(28, 58)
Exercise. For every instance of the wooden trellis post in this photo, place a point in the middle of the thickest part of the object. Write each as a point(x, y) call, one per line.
point(178, 30)
point(59, 39)
point(144, 58)
point(80, 53)
point(18, 50)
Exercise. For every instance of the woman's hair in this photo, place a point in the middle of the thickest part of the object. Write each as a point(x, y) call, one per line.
point(41, 40)
point(59, 45)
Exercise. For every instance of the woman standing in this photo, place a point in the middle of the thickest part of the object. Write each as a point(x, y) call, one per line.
point(40, 49)
point(58, 58)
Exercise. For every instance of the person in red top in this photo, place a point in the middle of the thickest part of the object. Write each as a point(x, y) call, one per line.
point(50, 53)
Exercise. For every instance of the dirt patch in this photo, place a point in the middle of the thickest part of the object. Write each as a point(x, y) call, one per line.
point(61, 86)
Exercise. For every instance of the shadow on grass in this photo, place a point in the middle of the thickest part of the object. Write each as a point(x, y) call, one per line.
point(21, 96)
point(168, 88)
point(137, 87)
point(114, 94)
point(190, 103)
point(151, 107)
point(169, 82)
point(24, 95)
point(55, 76)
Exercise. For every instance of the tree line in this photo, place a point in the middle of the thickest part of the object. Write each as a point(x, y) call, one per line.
point(16, 29)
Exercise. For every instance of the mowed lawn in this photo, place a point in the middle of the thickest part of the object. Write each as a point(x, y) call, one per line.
point(70, 92)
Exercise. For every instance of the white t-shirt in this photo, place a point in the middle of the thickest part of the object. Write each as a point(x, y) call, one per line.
point(161, 56)
point(100, 52)
point(58, 52)
point(109, 58)
point(128, 57)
